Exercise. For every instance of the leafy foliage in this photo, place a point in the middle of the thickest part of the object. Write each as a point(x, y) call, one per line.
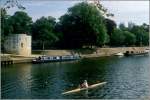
point(142, 37)
point(117, 38)
point(83, 24)
point(122, 26)
point(110, 25)
point(130, 38)
point(43, 30)
point(20, 22)
point(12, 3)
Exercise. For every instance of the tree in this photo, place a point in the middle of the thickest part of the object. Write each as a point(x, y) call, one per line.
point(145, 38)
point(145, 27)
point(3, 24)
point(12, 3)
point(130, 25)
point(103, 38)
point(122, 26)
point(117, 38)
point(58, 31)
point(43, 31)
point(4, 18)
point(110, 26)
point(102, 9)
point(130, 38)
point(83, 24)
point(20, 22)
point(141, 35)
point(6, 25)
point(6, 29)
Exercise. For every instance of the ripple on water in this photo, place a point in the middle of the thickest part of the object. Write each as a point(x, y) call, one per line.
point(127, 78)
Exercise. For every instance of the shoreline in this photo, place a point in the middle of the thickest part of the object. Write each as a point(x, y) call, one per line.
point(99, 52)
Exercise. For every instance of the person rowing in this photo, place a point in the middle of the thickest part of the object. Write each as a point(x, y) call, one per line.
point(82, 87)
point(84, 84)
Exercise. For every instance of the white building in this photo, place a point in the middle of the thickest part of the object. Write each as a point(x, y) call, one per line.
point(19, 44)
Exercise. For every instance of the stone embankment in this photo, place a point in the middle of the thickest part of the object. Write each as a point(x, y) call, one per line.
point(12, 59)
point(111, 51)
point(99, 52)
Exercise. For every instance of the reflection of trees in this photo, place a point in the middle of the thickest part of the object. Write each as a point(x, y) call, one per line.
point(16, 78)
point(92, 70)
point(40, 75)
point(47, 79)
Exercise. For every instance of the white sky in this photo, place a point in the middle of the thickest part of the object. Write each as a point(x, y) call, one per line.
point(124, 11)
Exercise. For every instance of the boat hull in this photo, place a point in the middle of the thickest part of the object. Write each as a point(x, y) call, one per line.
point(81, 89)
point(136, 54)
point(47, 59)
point(119, 54)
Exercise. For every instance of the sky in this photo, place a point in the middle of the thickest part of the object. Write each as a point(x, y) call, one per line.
point(125, 11)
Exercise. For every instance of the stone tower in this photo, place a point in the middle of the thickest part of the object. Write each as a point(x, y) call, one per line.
point(19, 44)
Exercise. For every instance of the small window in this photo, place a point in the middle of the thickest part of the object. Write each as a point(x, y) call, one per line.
point(22, 45)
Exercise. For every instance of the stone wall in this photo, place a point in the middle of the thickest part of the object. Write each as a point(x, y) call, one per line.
point(19, 44)
point(99, 52)
point(52, 52)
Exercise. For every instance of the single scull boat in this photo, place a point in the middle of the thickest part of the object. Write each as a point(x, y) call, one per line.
point(81, 89)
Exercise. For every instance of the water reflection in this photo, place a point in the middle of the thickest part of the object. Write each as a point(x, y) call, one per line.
point(17, 80)
point(126, 77)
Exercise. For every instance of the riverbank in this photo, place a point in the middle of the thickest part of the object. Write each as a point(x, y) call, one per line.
point(13, 59)
point(85, 53)
point(99, 52)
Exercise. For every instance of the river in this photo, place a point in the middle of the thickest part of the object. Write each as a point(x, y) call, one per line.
point(126, 77)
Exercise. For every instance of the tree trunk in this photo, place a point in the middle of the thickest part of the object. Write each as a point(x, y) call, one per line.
point(43, 45)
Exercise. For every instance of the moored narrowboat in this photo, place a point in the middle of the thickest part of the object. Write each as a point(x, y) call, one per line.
point(44, 59)
point(138, 53)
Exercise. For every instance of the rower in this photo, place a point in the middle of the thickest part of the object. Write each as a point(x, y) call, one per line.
point(39, 58)
point(84, 84)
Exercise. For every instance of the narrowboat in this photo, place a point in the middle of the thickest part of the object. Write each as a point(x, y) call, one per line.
point(138, 53)
point(45, 59)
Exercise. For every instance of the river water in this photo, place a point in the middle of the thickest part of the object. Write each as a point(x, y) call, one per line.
point(126, 77)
